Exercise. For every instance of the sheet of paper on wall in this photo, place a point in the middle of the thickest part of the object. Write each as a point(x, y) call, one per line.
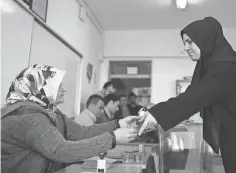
point(132, 70)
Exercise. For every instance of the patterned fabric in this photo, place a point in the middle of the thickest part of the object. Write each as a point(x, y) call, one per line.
point(37, 83)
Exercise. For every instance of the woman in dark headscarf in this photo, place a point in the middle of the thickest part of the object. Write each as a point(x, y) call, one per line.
point(212, 90)
point(37, 139)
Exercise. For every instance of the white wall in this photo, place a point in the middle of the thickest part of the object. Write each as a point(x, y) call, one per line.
point(15, 39)
point(163, 47)
point(47, 49)
point(165, 71)
point(142, 43)
point(230, 34)
point(153, 43)
point(63, 17)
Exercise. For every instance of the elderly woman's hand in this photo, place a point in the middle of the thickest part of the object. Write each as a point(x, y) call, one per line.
point(125, 135)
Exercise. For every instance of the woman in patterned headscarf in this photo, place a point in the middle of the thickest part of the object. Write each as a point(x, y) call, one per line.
point(39, 84)
point(35, 139)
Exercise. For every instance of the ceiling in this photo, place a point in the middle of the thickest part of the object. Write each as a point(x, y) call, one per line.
point(159, 14)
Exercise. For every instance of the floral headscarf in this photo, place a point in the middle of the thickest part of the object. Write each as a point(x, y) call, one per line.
point(37, 83)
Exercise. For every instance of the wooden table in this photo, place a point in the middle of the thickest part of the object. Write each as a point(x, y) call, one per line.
point(114, 169)
point(149, 148)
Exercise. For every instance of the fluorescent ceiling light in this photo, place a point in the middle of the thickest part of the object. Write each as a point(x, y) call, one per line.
point(181, 4)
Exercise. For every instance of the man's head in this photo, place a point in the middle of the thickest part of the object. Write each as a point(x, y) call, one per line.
point(109, 88)
point(132, 98)
point(123, 100)
point(112, 103)
point(95, 104)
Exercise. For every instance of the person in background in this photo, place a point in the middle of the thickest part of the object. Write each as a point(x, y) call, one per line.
point(212, 90)
point(133, 106)
point(94, 108)
point(108, 88)
point(123, 108)
point(112, 103)
point(36, 139)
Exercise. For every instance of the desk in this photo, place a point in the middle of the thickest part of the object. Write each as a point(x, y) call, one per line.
point(142, 165)
point(149, 148)
point(114, 169)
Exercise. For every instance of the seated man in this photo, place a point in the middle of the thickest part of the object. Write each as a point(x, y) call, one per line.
point(133, 106)
point(108, 88)
point(112, 103)
point(123, 108)
point(94, 108)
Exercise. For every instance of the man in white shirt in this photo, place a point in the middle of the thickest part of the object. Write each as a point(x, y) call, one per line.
point(94, 108)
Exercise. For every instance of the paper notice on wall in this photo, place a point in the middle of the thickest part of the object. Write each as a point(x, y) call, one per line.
point(132, 70)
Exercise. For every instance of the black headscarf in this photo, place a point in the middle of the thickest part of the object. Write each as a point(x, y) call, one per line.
point(208, 35)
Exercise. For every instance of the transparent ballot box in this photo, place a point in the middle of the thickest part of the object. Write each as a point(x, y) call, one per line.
point(183, 150)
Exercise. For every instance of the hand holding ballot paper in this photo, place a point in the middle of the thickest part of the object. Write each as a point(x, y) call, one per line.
point(148, 124)
point(144, 123)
